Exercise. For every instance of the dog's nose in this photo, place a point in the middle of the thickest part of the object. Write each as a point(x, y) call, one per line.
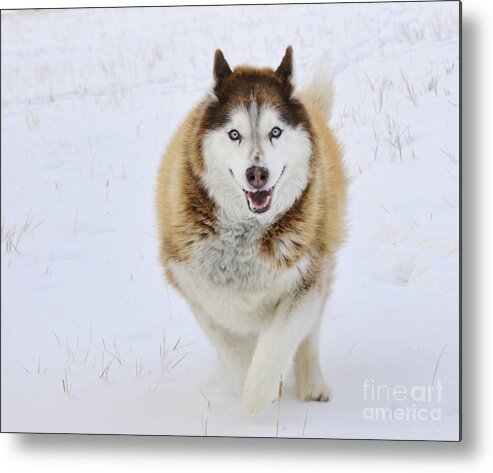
point(257, 176)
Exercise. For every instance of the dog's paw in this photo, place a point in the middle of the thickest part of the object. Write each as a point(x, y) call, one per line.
point(258, 396)
point(318, 391)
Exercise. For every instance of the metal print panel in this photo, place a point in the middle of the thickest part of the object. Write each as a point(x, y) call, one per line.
point(232, 221)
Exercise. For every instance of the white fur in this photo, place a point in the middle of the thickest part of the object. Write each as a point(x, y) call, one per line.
point(247, 306)
point(257, 330)
point(226, 161)
point(250, 312)
point(321, 90)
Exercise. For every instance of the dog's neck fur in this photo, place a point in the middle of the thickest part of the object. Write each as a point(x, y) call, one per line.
point(231, 257)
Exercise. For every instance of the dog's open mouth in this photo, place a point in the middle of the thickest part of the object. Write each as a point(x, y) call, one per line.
point(259, 201)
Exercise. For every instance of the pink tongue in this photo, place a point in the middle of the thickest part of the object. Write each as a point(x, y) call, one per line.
point(259, 201)
point(259, 198)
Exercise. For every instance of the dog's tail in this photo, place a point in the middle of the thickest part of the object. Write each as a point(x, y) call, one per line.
point(320, 90)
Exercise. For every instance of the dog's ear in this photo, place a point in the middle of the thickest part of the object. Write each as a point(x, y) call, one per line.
point(221, 67)
point(285, 69)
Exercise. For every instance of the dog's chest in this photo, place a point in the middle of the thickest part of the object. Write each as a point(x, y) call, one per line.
point(229, 279)
point(232, 257)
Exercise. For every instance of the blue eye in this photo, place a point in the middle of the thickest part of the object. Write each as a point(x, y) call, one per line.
point(234, 135)
point(275, 132)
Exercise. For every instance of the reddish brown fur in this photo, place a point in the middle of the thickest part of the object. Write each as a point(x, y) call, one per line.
point(187, 215)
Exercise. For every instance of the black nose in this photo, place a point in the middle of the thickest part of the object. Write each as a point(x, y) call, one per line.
point(257, 176)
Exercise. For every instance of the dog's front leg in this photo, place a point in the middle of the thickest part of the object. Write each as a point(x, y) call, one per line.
point(294, 319)
point(234, 350)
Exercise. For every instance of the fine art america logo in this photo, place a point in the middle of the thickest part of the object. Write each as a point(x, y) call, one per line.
point(385, 402)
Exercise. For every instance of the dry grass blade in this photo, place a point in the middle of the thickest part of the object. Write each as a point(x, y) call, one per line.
point(394, 138)
point(449, 155)
point(436, 366)
point(410, 91)
point(279, 396)
point(66, 385)
point(115, 353)
point(139, 368)
point(304, 423)
point(105, 369)
point(163, 350)
point(354, 344)
point(370, 83)
point(375, 153)
point(206, 398)
point(179, 361)
point(13, 236)
point(57, 339)
point(412, 219)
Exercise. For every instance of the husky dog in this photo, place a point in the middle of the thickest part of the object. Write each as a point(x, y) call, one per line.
point(250, 201)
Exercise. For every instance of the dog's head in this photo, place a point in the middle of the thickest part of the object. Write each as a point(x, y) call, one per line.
point(256, 141)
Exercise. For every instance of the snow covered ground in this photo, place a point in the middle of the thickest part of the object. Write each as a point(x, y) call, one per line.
point(94, 341)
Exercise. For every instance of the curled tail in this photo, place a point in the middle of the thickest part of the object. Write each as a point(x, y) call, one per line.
point(320, 90)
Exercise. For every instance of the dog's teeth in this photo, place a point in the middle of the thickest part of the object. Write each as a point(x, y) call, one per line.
point(259, 201)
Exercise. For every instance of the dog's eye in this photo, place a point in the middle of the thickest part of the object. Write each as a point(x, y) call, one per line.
point(234, 135)
point(275, 132)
